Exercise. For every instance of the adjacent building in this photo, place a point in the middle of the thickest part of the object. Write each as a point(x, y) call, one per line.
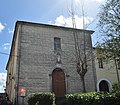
point(42, 59)
point(107, 72)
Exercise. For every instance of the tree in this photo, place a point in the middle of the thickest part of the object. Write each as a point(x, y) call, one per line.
point(109, 26)
point(81, 54)
point(109, 18)
point(81, 58)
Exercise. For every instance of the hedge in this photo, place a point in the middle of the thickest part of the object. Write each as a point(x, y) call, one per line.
point(93, 98)
point(41, 98)
point(116, 87)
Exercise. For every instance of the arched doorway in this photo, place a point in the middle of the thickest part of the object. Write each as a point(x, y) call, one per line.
point(103, 86)
point(58, 83)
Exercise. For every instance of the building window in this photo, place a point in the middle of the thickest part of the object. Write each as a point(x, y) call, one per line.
point(57, 43)
point(100, 62)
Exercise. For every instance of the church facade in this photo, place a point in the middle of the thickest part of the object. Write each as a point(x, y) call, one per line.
point(42, 59)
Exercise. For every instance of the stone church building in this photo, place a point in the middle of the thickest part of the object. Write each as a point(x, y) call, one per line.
point(42, 59)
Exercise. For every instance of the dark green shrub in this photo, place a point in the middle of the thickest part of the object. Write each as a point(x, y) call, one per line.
point(41, 98)
point(116, 87)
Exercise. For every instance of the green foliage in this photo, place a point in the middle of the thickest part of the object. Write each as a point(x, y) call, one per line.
point(93, 98)
point(116, 87)
point(41, 98)
point(109, 18)
point(109, 26)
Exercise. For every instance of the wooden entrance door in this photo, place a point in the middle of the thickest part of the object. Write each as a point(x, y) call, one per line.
point(103, 86)
point(58, 83)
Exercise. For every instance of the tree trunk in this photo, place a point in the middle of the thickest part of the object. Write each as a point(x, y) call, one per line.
point(83, 84)
point(117, 71)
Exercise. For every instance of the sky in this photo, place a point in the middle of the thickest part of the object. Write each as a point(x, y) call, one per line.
point(55, 12)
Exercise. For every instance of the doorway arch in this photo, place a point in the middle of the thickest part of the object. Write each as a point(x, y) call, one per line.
point(102, 82)
point(58, 83)
point(104, 86)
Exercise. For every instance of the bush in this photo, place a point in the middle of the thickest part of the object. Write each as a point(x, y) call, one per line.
point(41, 98)
point(93, 98)
point(116, 87)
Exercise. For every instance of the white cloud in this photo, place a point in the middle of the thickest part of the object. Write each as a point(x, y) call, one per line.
point(49, 22)
point(10, 31)
point(99, 1)
point(2, 81)
point(79, 1)
point(6, 46)
point(67, 22)
point(1, 27)
point(62, 21)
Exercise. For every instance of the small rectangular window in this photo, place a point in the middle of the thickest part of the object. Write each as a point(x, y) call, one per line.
point(100, 62)
point(57, 43)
